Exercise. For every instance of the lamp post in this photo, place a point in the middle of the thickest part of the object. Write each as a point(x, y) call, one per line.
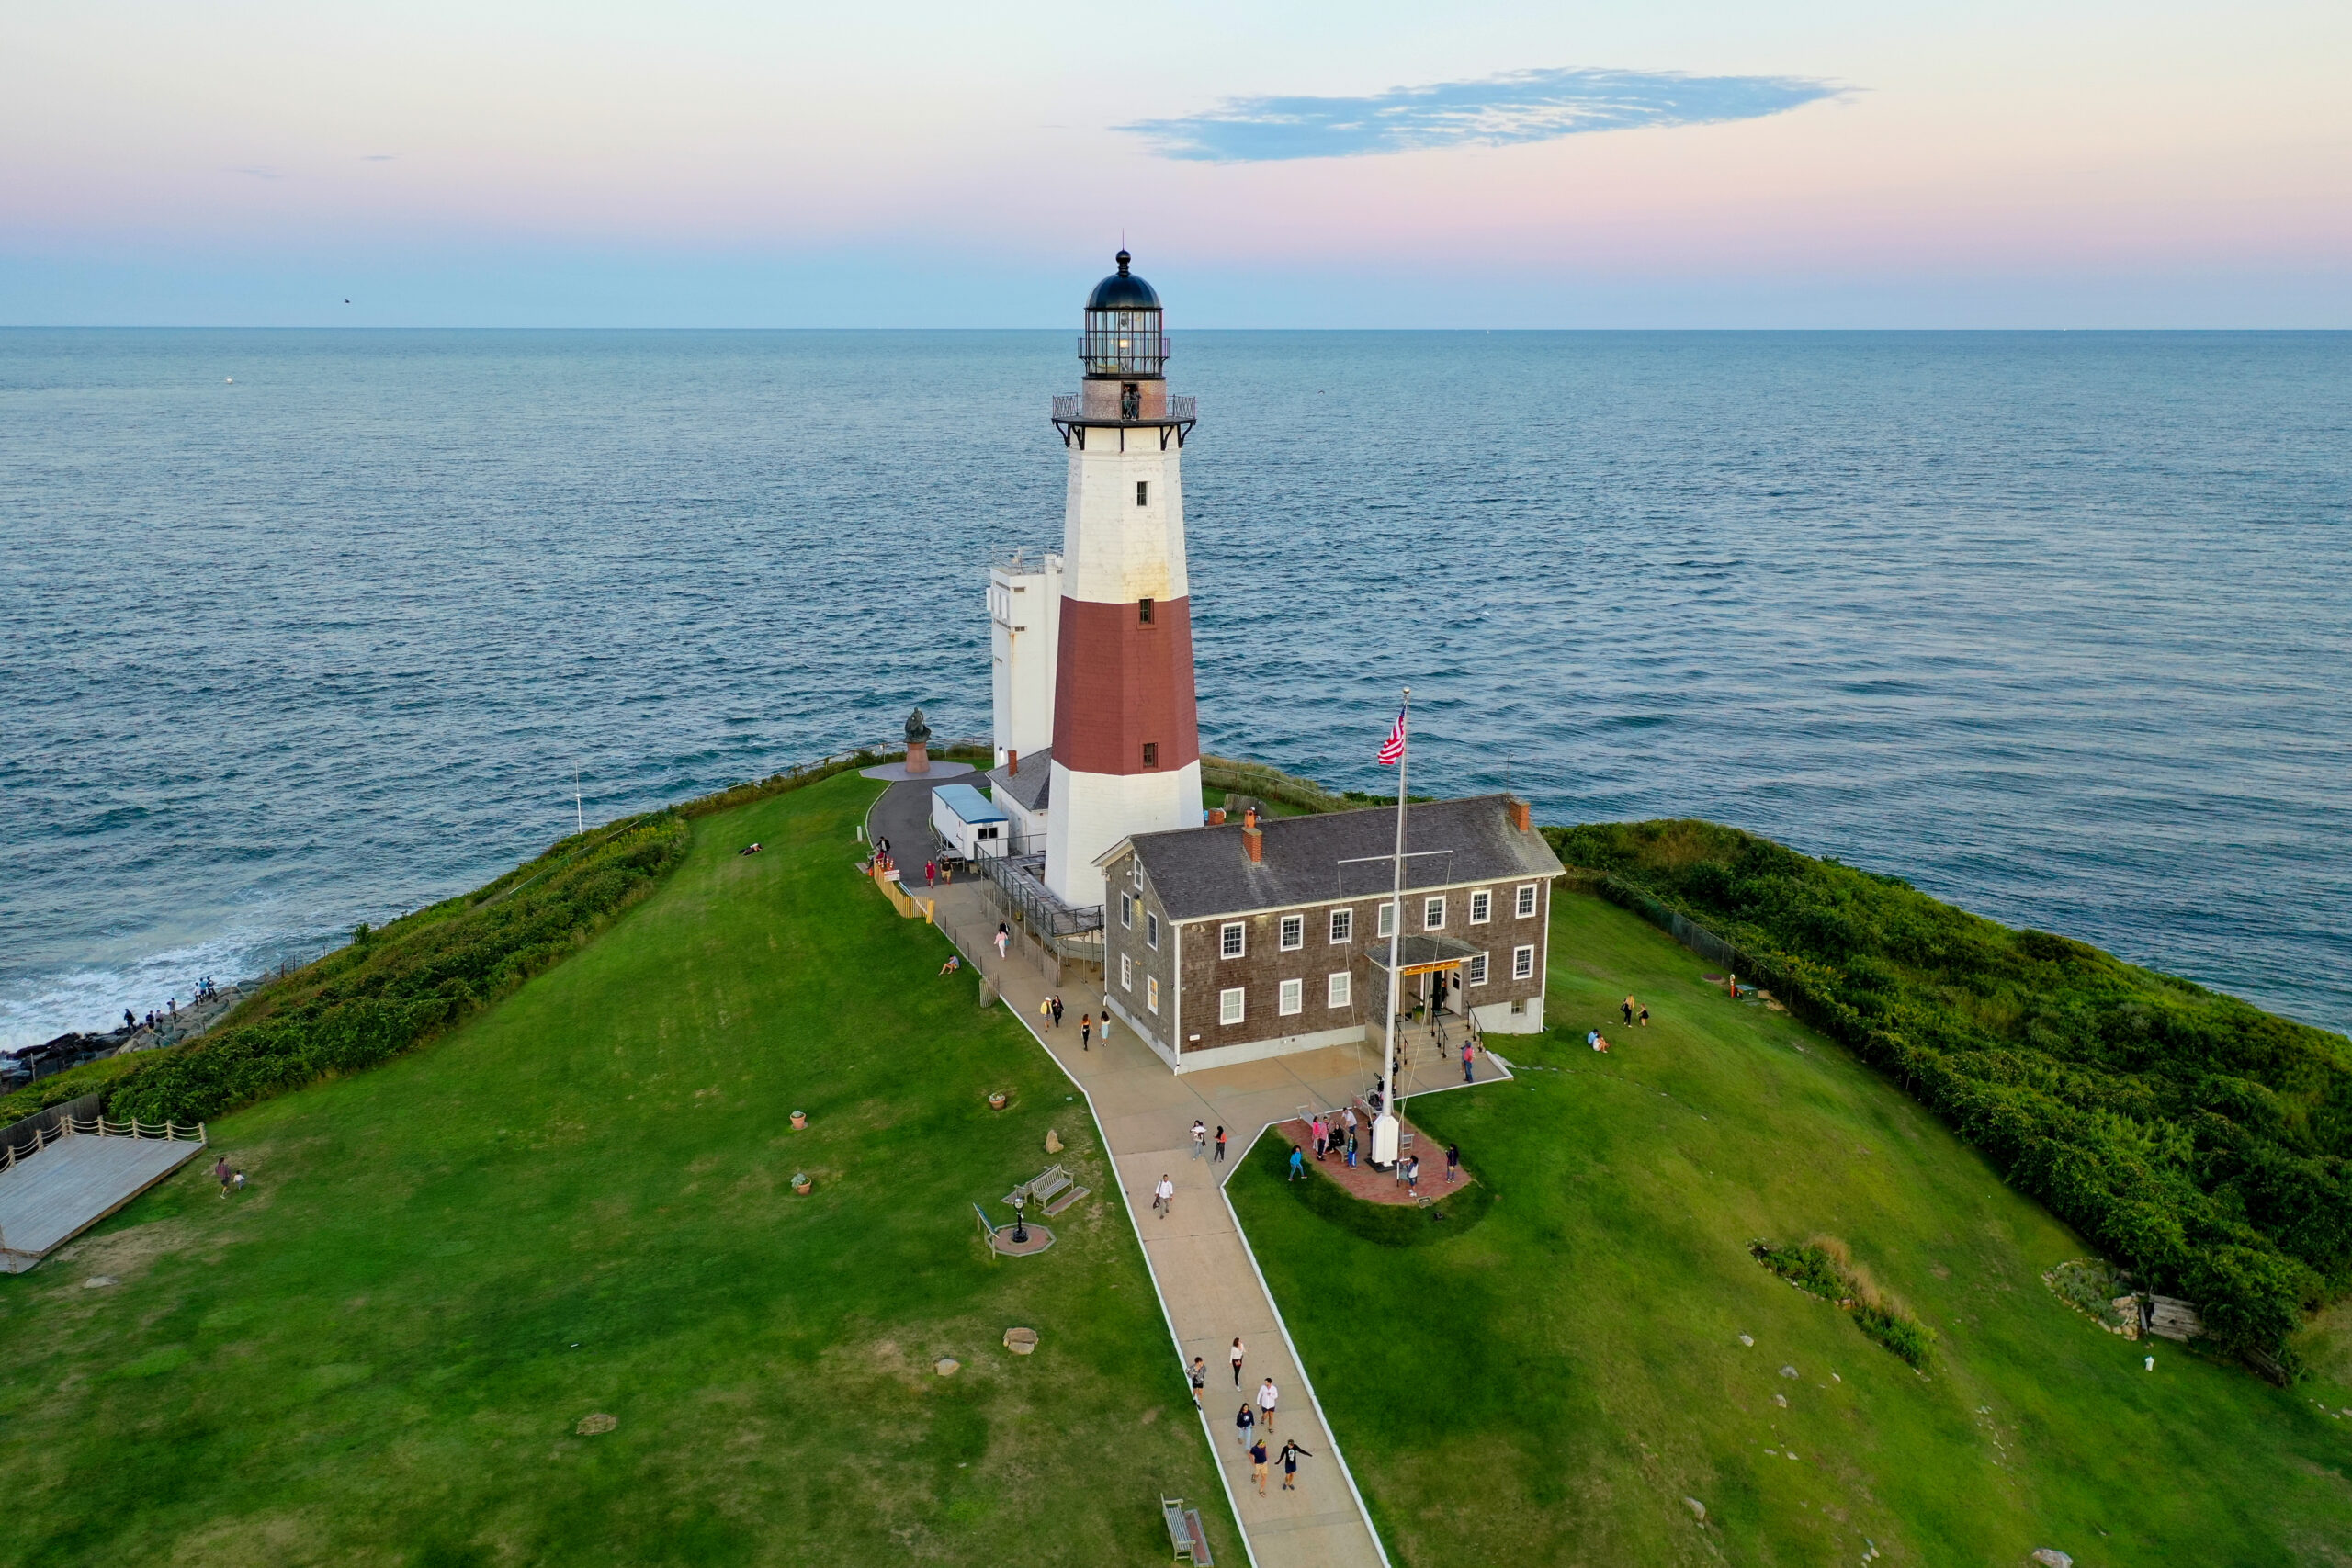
point(1019, 1226)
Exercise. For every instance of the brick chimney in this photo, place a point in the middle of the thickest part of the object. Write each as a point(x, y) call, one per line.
point(1217, 816)
point(1252, 838)
point(1011, 762)
point(1520, 817)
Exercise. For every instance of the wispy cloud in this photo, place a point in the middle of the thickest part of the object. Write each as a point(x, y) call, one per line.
point(378, 157)
point(257, 171)
point(1523, 105)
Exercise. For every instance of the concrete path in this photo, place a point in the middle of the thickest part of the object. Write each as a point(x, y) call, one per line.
point(1208, 1280)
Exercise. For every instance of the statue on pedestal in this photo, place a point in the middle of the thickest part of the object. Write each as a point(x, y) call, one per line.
point(918, 743)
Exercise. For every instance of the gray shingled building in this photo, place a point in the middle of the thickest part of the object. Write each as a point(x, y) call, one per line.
point(1246, 941)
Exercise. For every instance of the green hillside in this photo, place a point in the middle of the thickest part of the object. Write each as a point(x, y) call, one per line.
point(578, 1202)
point(1550, 1384)
point(2200, 1140)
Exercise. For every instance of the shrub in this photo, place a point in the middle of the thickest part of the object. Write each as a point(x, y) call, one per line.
point(1822, 1268)
point(2203, 1142)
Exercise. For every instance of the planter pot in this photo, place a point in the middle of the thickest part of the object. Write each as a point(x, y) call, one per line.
point(802, 1185)
point(996, 1102)
point(800, 1120)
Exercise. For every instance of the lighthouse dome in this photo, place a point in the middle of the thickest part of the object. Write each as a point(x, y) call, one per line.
point(1123, 290)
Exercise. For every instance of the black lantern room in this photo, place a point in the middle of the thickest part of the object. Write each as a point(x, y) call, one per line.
point(1123, 339)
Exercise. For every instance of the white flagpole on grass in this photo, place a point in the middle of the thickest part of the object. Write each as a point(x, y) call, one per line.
point(1383, 1126)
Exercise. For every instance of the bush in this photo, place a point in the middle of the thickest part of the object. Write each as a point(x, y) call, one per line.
point(1823, 1267)
point(1384, 1224)
point(2201, 1142)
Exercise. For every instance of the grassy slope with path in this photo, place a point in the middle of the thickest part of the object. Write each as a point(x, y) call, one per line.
point(369, 1358)
point(1549, 1386)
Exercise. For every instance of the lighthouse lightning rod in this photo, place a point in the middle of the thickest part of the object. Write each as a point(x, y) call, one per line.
point(1395, 939)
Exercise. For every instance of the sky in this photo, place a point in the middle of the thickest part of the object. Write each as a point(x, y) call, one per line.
point(1360, 165)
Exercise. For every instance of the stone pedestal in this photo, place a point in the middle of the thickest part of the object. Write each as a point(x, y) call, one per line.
point(918, 757)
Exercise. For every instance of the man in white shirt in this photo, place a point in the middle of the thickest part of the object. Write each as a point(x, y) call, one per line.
point(1266, 1397)
point(1163, 1196)
point(1199, 1137)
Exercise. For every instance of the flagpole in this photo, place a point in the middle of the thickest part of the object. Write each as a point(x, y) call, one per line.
point(1383, 1126)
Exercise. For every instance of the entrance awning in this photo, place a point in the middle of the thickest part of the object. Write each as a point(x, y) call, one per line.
point(1421, 954)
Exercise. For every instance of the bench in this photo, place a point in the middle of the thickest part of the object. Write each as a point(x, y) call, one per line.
point(1185, 1535)
point(1052, 1188)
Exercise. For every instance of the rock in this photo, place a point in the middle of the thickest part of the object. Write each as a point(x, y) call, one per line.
point(1053, 1142)
point(98, 1281)
point(1745, 1340)
point(1698, 1509)
point(1835, 1377)
point(2051, 1557)
point(1782, 1400)
point(945, 1366)
point(1788, 1371)
point(592, 1425)
point(1021, 1341)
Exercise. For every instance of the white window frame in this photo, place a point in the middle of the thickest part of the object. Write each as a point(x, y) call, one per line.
point(1338, 988)
point(1134, 870)
point(1522, 962)
point(1127, 910)
point(1519, 1005)
point(1526, 899)
point(1151, 930)
point(1127, 972)
point(1344, 926)
point(1292, 930)
point(1437, 905)
point(1290, 997)
point(1482, 906)
point(1151, 992)
point(1386, 923)
point(1233, 939)
point(1232, 1006)
point(1477, 967)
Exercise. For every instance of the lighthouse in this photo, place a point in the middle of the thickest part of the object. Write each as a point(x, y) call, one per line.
point(1126, 752)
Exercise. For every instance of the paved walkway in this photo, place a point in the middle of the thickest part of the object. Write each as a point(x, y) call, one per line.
point(1208, 1280)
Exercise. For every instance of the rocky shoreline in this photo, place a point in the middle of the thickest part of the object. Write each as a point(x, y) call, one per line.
point(174, 1026)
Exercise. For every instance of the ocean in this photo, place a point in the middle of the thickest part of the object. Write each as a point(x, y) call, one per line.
point(304, 628)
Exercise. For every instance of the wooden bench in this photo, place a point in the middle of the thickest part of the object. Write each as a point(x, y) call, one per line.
point(1052, 1188)
point(1185, 1535)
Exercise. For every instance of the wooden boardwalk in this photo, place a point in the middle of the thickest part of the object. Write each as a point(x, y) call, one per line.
point(48, 1199)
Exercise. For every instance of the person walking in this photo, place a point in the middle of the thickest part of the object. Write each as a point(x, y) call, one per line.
point(1453, 1161)
point(1627, 1007)
point(1058, 1010)
point(1297, 1163)
point(930, 874)
point(1199, 1373)
point(1003, 935)
point(1348, 1120)
point(1085, 1029)
point(1245, 1423)
point(1351, 1149)
point(223, 1174)
point(1199, 1138)
point(1163, 1196)
point(1257, 1465)
point(1292, 1454)
point(1267, 1395)
point(1220, 1144)
point(1467, 1077)
point(1237, 1363)
point(1321, 1133)
point(1645, 1020)
point(1045, 1011)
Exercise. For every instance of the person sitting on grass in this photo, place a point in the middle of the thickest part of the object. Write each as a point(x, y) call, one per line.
point(954, 962)
point(1592, 1038)
point(749, 850)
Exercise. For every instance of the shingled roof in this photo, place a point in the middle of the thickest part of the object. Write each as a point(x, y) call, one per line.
point(1200, 871)
point(1028, 786)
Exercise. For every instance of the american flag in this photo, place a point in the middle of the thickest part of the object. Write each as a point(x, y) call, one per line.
point(1392, 750)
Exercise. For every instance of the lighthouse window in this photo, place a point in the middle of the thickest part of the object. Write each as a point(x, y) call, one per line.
point(1151, 753)
point(1143, 611)
point(1143, 492)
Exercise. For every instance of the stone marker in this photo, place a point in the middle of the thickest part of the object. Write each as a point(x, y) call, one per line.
point(945, 1366)
point(2051, 1557)
point(1698, 1509)
point(1745, 1340)
point(1053, 1142)
point(1782, 1400)
point(592, 1425)
point(1788, 1371)
point(1021, 1341)
point(98, 1281)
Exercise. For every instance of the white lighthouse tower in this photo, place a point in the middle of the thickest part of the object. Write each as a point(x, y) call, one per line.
point(1127, 754)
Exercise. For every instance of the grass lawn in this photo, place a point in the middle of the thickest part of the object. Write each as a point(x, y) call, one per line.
point(1550, 1385)
point(580, 1202)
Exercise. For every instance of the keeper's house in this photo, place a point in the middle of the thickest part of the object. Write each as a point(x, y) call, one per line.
point(1267, 937)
